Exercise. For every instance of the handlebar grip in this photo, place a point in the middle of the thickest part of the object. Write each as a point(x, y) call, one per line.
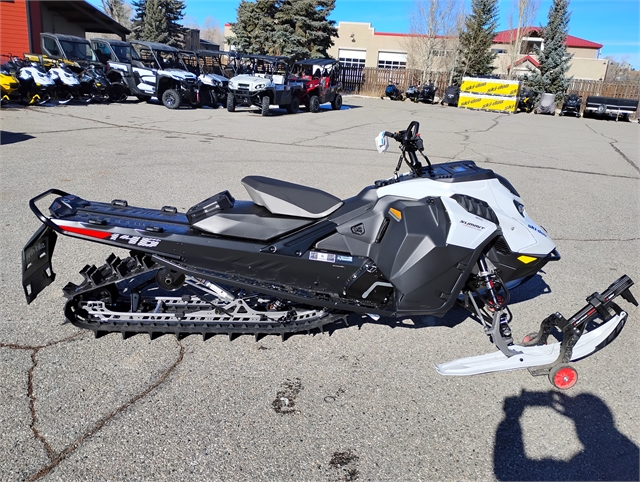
point(389, 134)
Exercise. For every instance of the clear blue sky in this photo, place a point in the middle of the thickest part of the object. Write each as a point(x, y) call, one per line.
point(613, 23)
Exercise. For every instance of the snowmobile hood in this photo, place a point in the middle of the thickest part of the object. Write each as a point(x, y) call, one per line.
point(213, 79)
point(254, 82)
point(178, 74)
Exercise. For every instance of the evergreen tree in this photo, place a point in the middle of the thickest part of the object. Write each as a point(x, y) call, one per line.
point(554, 58)
point(147, 23)
point(476, 40)
point(295, 28)
point(174, 12)
point(255, 26)
point(154, 27)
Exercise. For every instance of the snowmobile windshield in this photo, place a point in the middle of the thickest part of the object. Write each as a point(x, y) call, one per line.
point(78, 51)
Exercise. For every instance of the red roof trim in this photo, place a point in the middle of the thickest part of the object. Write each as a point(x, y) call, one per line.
point(525, 59)
point(507, 36)
point(393, 34)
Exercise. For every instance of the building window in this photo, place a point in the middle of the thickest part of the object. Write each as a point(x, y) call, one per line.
point(392, 60)
point(352, 58)
point(351, 62)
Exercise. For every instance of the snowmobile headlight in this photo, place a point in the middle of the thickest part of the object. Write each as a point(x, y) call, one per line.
point(519, 207)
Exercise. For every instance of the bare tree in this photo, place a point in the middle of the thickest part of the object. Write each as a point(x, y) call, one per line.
point(434, 26)
point(119, 11)
point(209, 30)
point(618, 68)
point(522, 16)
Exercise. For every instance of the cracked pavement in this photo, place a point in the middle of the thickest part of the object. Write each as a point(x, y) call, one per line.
point(360, 402)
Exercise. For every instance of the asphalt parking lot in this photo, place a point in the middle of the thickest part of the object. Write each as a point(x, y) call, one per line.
point(364, 400)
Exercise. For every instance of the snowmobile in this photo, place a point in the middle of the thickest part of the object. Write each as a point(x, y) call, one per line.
point(392, 92)
point(425, 93)
point(296, 258)
point(526, 100)
point(36, 85)
point(571, 105)
point(451, 96)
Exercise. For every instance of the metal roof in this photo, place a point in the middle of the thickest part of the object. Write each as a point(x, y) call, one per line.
point(508, 36)
point(87, 16)
point(316, 62)
point(214, 53)
point(155, 46)
point(66, 38)
point(112, 41)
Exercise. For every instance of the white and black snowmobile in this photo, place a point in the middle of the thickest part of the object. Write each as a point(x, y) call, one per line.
point(295, 258)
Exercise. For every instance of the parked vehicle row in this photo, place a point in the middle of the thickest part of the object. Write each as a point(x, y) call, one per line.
point(111, 70)
point(595, 106)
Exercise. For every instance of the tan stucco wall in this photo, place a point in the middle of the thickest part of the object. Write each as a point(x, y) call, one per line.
point(584, 64)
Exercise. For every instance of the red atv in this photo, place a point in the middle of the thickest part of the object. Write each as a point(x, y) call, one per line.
point(320, 81)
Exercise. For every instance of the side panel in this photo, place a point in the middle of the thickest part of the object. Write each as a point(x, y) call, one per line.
point(409, 242)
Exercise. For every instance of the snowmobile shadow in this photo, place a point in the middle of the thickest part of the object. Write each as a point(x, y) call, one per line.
point(533, 288)
point(607, 454)
point(7, 137)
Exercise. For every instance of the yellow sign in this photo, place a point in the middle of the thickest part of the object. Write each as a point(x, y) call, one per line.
point(507, 88)
point(487, 102)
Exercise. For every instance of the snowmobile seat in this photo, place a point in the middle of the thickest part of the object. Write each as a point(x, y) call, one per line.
point(288, 199)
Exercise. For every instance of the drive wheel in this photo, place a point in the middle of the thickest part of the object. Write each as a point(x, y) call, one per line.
point(294, 106)
point(337, 102)
point(171, 99)
point(169, 279)
point(213, 99)
point(264, 111)
point(563, 377)
point(314, 104)
point(231, 103)
point(117, 93)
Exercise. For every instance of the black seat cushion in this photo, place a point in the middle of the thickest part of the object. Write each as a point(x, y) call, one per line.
point(288, 199)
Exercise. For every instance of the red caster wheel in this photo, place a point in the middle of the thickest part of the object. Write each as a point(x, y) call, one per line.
point(563, 377)
point(531, 339)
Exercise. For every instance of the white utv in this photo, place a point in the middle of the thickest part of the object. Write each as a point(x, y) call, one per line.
point(264, 81)
point(155, 70)
point(210, 69)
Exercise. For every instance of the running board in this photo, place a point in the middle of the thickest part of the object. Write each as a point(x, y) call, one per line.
point(537, 355)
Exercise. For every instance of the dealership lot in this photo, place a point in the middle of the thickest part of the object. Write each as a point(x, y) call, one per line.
point(359, 402)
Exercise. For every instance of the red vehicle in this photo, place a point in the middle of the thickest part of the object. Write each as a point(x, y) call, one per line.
point(320, 80)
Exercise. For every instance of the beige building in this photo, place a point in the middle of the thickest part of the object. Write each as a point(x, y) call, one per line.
point(585, 63)
point(358, 44)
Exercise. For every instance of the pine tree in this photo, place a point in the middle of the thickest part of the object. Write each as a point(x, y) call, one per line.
point(295, 28)
point(554, 58)
point(476, 40)
point(154, 26)
point(139, 8)
point(255, 26)
point(148, 26)
point(174, 12)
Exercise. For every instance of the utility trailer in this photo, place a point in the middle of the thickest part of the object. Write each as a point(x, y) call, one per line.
point(597, 106)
